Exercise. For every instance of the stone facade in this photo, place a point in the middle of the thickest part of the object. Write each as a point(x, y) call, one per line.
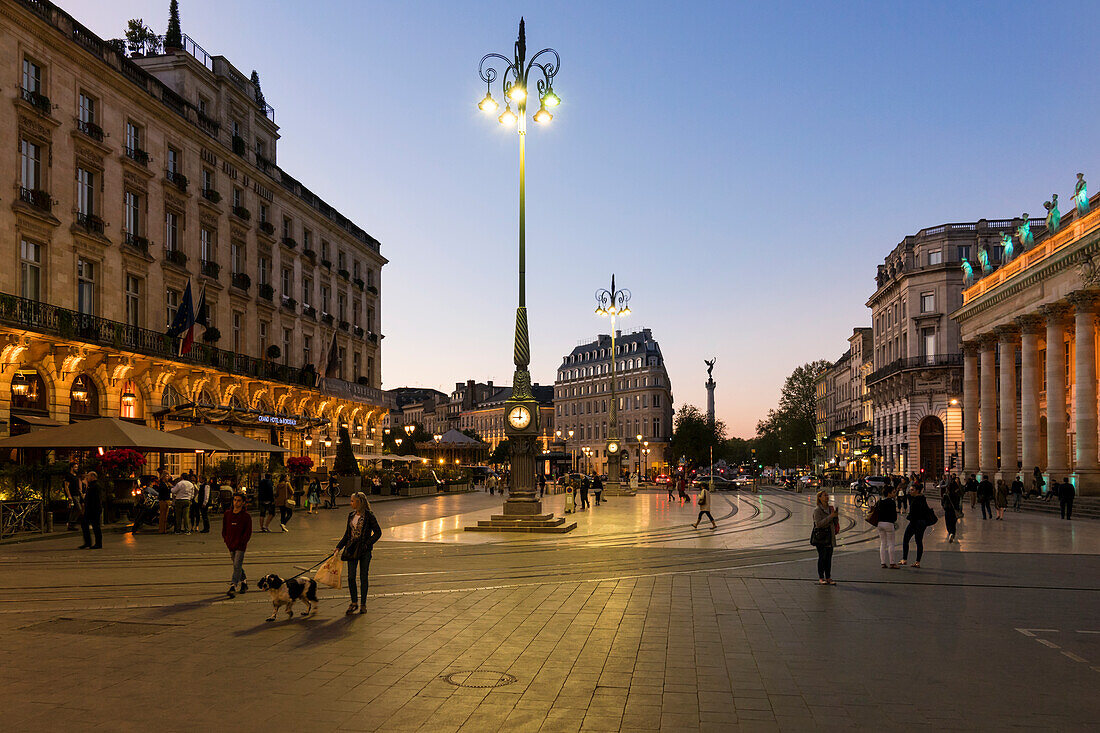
point(1029, 359)
point(848, 408)
point(133, 177)
point(583, 388)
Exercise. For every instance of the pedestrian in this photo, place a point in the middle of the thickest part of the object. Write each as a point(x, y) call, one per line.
point(265, 498)
point(542, 486)
point(284, 501)
point(200, 507)
point(299, 494)
point(164, 499)
point(72, 494)
point(585, 485)
point(182, 493)
point(1000, 498)
point(920, 517)
point(671, 485)
point(492, 483)
point(985, 497)
point(597, 488)
point(703, 500)
point(236, 532)
point(634, 481)
point(1066, 495)
point(972, 489)
point(902, 497)
point(333, 489)
point(1037, 483)
point(823, 537)
point(361, 533)
point(90, 518)
point(681, 490)
point(1017, 490)
point(949, 500)
point(886, 521)
point(314, 495)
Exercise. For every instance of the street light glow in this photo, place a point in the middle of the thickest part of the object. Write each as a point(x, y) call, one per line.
point(488, 104)
point(517, 93)
point(507, 117)
point(550, 99)
point(543, 116)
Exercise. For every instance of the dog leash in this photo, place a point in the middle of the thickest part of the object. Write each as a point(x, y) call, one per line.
point(323, 561)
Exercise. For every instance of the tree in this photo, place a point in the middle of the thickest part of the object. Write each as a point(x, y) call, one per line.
point(345, 463)
point(259, 92)
point(694, 436)
point(471, 433)
point(794, 421)
point(140, 38)
point(502, 453)
point(174, 37)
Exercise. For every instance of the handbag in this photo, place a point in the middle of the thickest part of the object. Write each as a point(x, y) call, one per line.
point(821, 537)
point(871, 517)
point(932, 518)
point(329, 572)
point(291, 503)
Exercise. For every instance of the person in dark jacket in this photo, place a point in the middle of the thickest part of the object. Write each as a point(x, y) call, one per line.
point(93, 509)
point(265, 499)
point(236, 532)
point(826, 519)
point(200, 507)
point(1017, 490)
point(361, 533)
point(585, 485)
point(886, 511)
point(1066, 494)
point(919, 514)
point(72, 493)
point(972, 489)
point(164, 499)
point(597, 488)
point(949, 500)
point(1037, 483)
point(985, 496)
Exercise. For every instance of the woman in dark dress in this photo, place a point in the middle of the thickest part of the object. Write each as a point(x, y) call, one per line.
point(93, 508)
point(919, 515)
point(361, 533)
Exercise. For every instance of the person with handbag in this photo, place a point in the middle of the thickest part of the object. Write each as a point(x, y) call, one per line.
point(884, 516)
point(823, 537)
point(703, 500)
point(920, 517)
point(284, 501)
point(361, 533)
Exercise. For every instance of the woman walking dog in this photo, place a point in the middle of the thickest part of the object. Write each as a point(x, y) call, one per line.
point(361, 533)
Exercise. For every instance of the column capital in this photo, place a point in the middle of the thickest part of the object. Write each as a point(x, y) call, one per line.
point(1008, 333)
point(987, 341)
point(1055, 312)
point(971, 348)
point(1030, 323)
point(1084, 301)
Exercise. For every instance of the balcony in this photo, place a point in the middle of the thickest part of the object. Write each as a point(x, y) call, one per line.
point(267, 228)
point(39, 101)
point(359, 283)
point(238, 145)
point(359, 332)
point(209, 268)
point(266, 292)
point(207, 124)
point(176, 178)
point(309, 311)
point(138, 242)
point(241, 281)
point(44, 318)
point(290, 303)
point(310, 255)
point(264, 164)
point(90, 129)
point(242, 213)
point(914, 362)
point(38, 199)
point(90, 223)
point(372, 289)
point(290, 242)
point(345, 326)
point(211, 195)
point(372, 337)
point(344, 274)
point(327, 319)
point(138, 155)
point(327, 264)
point(175, 256)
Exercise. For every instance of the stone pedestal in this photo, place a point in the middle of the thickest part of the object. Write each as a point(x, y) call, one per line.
point(615, 486)
point(523, 508)
point(710, 400)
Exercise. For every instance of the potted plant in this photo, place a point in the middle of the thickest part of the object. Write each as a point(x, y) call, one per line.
point(119, 469)
point(274, 352)
point(298, 467)
point(211, 335)
point(345, 466)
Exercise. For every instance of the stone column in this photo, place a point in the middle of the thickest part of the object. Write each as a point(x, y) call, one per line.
point(987, 459)
point(1007, 338)
point(1057, 460)
point(1030, 326)
point(970, 407)
point(1086, 466)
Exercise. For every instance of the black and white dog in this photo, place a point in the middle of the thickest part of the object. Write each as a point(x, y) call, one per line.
point(288, 592)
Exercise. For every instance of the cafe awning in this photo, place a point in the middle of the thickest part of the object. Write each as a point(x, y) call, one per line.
point(105, 432)
point(226, 441)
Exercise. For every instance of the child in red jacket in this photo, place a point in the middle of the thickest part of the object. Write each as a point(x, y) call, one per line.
point(236, 531)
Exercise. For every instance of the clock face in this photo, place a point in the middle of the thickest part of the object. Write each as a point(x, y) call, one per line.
point(519, 417)
point(612, 447)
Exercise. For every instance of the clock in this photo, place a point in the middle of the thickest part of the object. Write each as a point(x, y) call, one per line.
point(612, 447)
point(519, 417)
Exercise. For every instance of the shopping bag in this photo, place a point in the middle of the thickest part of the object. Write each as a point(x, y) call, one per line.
point(329, 572)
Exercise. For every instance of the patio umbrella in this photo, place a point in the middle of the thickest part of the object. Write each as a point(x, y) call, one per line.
point(106, 432)
point(227, 442)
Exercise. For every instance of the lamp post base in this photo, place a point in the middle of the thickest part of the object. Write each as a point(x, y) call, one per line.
point(523, 508)
point(618, 488)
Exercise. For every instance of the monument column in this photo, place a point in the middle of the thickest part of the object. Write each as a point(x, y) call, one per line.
point(1057, 460)
point(1031, 451)
point(1007, 337)
point(1086, 466)
point(987, 460)
point(970, 407)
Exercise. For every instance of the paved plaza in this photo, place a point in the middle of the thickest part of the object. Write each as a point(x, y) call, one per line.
point(633, 622)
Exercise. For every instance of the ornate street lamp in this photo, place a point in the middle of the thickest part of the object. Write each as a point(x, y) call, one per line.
point(521, 410)
point(616, 304)
point(409, 430)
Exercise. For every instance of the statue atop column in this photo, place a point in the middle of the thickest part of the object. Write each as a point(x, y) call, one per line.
point(1006, 242)
point(1053, 215)
point(1081, 195)
point(1024, 233)
point(710, 385)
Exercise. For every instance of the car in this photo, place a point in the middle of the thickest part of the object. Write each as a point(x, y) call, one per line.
point(875, 484)
point(810, 482)
point(662, 479)
point(743, 481)
point(720, 482)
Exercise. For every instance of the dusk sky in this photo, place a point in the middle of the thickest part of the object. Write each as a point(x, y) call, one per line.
point(741, 167)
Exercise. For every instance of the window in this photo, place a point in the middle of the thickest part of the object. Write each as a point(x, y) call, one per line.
point(341, 306)
point(133, 137)
point(935, 257)
point(172, 301)
point(263, 338)
point(202, 105)
point(206, 245)
point(370, 276)
point(133, 301)
point(341, 261)
point(31, 160)
point(265, 269)
point(237, 343)
point(287, 333)
point(31, 270)
point(928, 344)
point(235, 125)
point(307, 237)
point(236, 196)
point(287, 292)
point(307, 291)
point(264, 209)
point(171, 231)
point(343, 358)
point(370, 319)
point(207, 179)
point(356, 307)
point(355, 269)
point(927, 302)
point(288, 226)
point(324, 249)
point(131, 204)
point(86, 109)
point(85, 287)
point(325, 299)
point(964, 252)
point(85, 192)
point(32, 76)
point(173, 163)
point(307, 350)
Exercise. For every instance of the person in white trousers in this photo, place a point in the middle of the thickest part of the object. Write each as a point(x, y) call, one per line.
point(887, 515)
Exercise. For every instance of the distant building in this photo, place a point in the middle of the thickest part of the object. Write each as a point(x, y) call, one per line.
point(583, 388)
point(486, 418)
point(848, 435)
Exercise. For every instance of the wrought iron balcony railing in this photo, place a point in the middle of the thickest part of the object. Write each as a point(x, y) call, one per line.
point(90, 223)
point(36, 198)
point(242, 213)
point(210, 268)
point(177, 179)
point(137, 241)
point(90, 129)
point(242, 281)
point(915, 362)
point(137, 155)
point(37, 100)
point(176, 257)
point(211, 195)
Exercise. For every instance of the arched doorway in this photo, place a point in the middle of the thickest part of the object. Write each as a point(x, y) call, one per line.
point(931, 446)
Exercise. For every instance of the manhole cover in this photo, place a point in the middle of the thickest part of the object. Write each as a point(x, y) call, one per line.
point(94, 627)
point(479, 678)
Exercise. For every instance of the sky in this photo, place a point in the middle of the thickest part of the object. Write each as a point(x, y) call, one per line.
point(742, 168)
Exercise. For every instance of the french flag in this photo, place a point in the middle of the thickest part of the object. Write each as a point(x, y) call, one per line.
point(183, 325)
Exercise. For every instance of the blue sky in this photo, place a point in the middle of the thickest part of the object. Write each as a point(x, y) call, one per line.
point(741, 167)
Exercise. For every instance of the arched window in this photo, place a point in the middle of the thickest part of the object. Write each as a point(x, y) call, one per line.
point(28, 391)
point(132, 406)
point(83, 397)
point(171, 398)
